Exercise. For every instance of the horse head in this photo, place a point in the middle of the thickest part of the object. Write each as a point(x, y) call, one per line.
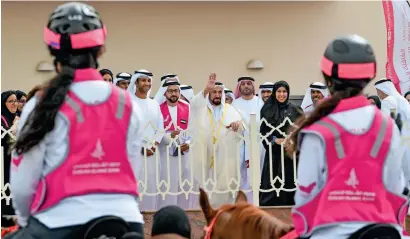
point(240, 220)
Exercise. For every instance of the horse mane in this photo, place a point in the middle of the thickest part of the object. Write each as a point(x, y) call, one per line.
point(254, 221)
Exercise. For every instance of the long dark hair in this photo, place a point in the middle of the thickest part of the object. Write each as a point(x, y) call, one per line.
point(327, 106)
point(33, 91)
point(42, 119)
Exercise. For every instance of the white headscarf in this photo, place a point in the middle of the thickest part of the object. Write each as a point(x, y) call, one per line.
point(387, 87)
point(187, 92)
point(122, 76)
point(229, 93)
point(307, 100)
point(161, 98)
point(158, 96)
point(237, 92)
point(132, 88)
point(264, 86)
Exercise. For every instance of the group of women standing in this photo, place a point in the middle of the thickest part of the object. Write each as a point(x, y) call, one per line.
point(12, 102)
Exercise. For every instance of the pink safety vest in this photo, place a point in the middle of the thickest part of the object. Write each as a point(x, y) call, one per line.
point(97, 159)
point(354, 190)
point(182, 118)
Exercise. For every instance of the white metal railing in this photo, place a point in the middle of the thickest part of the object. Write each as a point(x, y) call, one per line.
point(199, 152)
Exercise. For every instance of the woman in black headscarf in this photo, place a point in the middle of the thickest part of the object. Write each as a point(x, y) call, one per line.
point(21, 101)
point(375, 100)
point(8, 119)
point(107, 75)
point(8, 108)
point(275, 110)
point(407, 96)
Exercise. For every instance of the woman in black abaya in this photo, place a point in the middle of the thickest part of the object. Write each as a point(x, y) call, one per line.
point(275, 110)
point(8, 118)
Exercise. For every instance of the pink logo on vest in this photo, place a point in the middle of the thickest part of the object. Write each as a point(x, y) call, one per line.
point(98, 151)
point(352, 181)
point(97, 160)
point(16, 161)
point(307, 189)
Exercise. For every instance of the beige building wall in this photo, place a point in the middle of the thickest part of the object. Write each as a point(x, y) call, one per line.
point(194, 39)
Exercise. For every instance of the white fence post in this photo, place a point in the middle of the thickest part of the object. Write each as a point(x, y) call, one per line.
point(254, 161)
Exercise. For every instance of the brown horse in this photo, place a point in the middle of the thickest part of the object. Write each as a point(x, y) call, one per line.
point(240, 220)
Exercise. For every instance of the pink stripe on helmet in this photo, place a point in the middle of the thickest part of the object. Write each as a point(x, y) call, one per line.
point(51, 38)
point(88, 39)
point(349, 71)
point(78, 41)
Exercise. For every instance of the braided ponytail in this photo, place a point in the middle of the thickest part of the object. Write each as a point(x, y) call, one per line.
point(41, 121)
point(322, 110)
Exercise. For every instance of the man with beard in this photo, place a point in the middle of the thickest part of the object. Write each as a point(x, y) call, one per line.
point(265, 91)
point(174, 148)
point(158, 96)
point(122, 80)
point(314, 93)
point(246, 103)
point(140, 85)
point(218, 127)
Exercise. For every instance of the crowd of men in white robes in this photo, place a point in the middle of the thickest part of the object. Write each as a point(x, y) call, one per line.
point(173, 166)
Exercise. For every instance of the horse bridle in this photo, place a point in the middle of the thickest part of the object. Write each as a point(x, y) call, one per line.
point(208, 229)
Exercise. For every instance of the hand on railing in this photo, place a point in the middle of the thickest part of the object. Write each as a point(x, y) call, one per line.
point(234, 126)
point(184, 147)
point(149, 152)
point(279, 141)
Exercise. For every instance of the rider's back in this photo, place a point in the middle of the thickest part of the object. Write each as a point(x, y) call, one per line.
point(53, 150)
point(357, 121)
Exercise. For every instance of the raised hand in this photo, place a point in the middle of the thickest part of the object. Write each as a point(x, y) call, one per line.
point(210, 84)
point(211, 81)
